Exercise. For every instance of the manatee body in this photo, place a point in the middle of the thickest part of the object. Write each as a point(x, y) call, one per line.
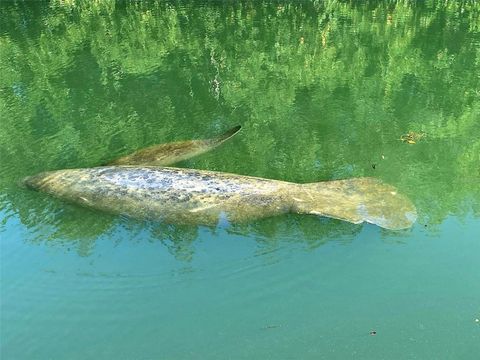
point(171, 153)
point(136, 186)
point(204, 197)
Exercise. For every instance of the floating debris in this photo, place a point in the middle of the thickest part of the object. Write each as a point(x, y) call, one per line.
point(271, 327)
point(412, 137)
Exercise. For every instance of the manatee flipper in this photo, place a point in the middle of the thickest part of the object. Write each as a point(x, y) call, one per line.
point(357, 200)
point(170, 153)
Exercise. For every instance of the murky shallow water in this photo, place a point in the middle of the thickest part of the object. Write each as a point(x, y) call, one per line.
point(323, 90)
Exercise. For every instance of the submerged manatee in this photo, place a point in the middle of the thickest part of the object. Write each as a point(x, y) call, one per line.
point(139, 187)
point(204, 197)
point(166, 154)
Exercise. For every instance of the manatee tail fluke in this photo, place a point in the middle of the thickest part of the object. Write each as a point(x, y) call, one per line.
point(171, 153)
point(357, 200)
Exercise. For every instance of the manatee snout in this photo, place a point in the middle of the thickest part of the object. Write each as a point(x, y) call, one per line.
point(34, 182)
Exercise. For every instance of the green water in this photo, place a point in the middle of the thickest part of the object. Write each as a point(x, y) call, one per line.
point(323, 90)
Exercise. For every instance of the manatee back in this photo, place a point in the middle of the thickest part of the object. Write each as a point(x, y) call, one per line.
point(172, 194)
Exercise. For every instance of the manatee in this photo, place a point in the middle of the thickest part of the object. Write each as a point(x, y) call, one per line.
point(139, 186)
point(170, 153)
point(189, 196)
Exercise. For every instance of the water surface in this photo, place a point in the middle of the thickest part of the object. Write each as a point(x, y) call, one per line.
point(323, 90)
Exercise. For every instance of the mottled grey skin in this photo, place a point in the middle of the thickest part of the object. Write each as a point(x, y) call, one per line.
point(171, 153)
point(205, 197)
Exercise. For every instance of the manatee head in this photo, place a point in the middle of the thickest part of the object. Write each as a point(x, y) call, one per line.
point(58, 183)
point(38, 181)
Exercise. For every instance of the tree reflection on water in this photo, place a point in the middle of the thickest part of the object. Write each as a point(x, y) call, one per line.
point(323, 90)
